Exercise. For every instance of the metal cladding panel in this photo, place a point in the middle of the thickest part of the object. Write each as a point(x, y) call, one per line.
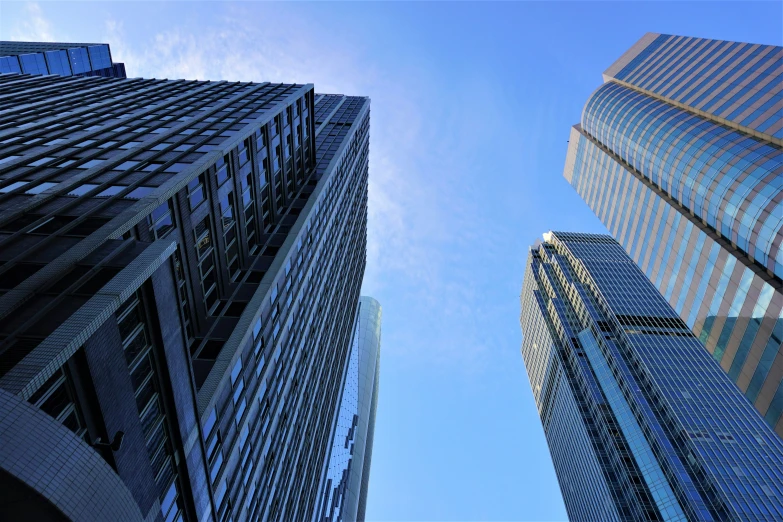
point(80, 59)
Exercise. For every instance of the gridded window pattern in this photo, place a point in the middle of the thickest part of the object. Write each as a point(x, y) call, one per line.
point(727, 302)
point(263, 170)
point(57, 397)
point(139, 354)
point(182, 295)
point(248, 194)
point(340, 460)
point(345, 490)
point(671, 435)
point(740, 82)
point(69, 171)
point(230, 233)
point(205, 253)
point(275, 407)
point(109, 165)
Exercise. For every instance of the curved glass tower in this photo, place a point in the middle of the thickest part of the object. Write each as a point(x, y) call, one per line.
point(679, 154)
point(347, 479)
point(641, 422)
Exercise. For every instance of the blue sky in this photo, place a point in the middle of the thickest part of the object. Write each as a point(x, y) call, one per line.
point(471, 109)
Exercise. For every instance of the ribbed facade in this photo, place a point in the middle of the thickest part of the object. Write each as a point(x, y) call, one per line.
point(679, 154)
point(64, 59)
point(180, 263)
point(642, 424)
point(346, 482)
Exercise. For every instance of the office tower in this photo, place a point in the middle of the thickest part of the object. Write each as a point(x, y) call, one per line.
point(65, 59)
point(642, 424)
point(347, 480)
point(181, 266)
point(679, 154)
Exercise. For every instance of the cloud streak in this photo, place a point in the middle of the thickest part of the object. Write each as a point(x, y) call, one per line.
point(34, 27)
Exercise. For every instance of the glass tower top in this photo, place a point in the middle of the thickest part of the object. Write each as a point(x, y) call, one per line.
point(641, 422)
point(679, 154)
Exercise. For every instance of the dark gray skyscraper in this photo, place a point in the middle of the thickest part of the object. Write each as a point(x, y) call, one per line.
point(65, 59)
point(641, 422)
point(180, 266)
point(347, 480)
point(679, 154)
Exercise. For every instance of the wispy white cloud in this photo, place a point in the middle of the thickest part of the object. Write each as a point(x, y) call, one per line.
point(34, 26)
point(422, 220)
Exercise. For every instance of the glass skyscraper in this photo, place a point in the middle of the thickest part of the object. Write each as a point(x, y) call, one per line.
point(679, 154)
point(347, 481)
point(65, 59)
point(642, 424)
point(180, 267)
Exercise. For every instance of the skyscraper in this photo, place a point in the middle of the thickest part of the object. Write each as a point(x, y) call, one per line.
point(345, 488)
point(65, 59)
point(679, 154)
point(180, 266)
point(641, 422)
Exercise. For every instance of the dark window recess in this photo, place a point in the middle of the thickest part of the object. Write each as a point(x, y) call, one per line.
point(57, 398)
point(97, 282)
point(68, 279)
point(210, 349)
point(87, 227)
point(52, 225)
point(20, 223)
point(235, 309)
point(139, 347)
point(16, 274)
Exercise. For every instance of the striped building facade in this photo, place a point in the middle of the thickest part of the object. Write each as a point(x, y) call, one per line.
point(679, 154)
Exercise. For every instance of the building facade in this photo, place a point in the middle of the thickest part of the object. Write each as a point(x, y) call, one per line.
point(679, 154)
point(180, 266)
point(642, 424)
point(347, 480)
point(65, 59)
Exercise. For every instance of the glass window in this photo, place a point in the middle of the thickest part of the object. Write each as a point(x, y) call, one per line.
point(9, 64)
point(196, 193)
point(160, 221)
point(80, 63)
point(58, 62)
point(211, 421)
point(236, 371)
point(33, 63)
